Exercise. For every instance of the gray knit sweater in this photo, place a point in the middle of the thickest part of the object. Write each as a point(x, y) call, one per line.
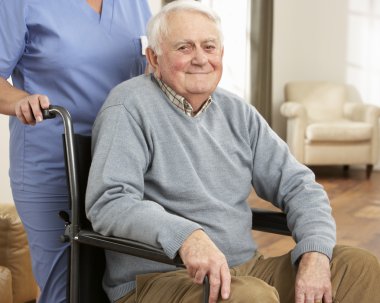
point(157, 175)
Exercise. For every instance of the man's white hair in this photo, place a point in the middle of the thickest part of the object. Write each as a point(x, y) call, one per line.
point(157, 28)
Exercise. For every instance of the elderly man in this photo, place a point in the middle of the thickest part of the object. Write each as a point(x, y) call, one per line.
point(174, 160)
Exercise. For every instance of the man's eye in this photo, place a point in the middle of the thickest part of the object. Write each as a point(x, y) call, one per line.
point(184, 48)
point(210, 47)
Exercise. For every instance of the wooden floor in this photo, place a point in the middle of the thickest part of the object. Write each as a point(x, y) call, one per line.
point(356, 208)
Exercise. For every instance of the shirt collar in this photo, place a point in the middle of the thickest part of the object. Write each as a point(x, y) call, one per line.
point(179, 101)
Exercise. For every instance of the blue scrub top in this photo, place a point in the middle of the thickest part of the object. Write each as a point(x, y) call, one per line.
point(65, 50)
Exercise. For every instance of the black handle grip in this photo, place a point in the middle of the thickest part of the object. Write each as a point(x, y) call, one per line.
point(47, 113)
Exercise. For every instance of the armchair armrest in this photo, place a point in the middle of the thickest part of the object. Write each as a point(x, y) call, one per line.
point(296, 127)
point(292, 109)
point(6, 285)
point(365, 113)
point(361, 112)
point(14, 255)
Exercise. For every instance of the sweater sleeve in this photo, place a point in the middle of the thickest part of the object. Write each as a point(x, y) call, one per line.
point(279, 178)
point(115, 202)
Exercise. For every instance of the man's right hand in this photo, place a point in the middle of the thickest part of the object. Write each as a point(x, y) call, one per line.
point(201, 257)
point(28, 109)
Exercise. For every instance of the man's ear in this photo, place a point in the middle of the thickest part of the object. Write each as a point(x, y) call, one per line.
point(151, 56)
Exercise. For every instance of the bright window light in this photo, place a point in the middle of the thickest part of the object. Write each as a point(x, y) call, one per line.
point(235, 26)
point(363, 60)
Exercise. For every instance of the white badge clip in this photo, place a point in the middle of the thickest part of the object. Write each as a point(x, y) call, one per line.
point(144, 44)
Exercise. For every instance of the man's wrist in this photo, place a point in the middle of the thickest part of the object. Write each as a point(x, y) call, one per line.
point(314, 255)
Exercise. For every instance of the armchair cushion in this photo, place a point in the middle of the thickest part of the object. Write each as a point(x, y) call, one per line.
point(343, 131)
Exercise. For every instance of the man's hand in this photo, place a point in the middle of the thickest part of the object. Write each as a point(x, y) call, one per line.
point(202, 257)
point(313, 281)
point(28, 109)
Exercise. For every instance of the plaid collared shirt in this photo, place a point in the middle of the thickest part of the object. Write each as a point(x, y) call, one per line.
point(180, 101)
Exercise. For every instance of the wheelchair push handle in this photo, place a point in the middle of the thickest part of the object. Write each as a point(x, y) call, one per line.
point(47, 113)
point(53, 110)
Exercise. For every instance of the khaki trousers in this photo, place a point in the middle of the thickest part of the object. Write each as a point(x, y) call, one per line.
point(355, 275)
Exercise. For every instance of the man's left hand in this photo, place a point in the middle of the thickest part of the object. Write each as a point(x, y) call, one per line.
point(313, 281)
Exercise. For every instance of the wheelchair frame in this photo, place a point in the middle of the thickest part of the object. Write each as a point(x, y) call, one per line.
point(77, 235)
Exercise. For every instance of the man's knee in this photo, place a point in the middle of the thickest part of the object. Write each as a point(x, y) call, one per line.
point(355, 274)
point(355, 260)
point(250, 289)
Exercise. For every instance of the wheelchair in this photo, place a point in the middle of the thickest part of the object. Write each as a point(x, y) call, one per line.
point(86, 257)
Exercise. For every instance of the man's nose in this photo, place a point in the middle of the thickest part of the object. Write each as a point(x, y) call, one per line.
point(200, 57)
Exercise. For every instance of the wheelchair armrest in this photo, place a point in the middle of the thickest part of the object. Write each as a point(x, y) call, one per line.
point(262, 220)
point(127, 246)
point(270, 221)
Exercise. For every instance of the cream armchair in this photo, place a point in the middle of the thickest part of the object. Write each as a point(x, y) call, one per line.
point(323, 128)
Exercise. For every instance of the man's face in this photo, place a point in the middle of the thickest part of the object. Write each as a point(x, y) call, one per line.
point(191, 56)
